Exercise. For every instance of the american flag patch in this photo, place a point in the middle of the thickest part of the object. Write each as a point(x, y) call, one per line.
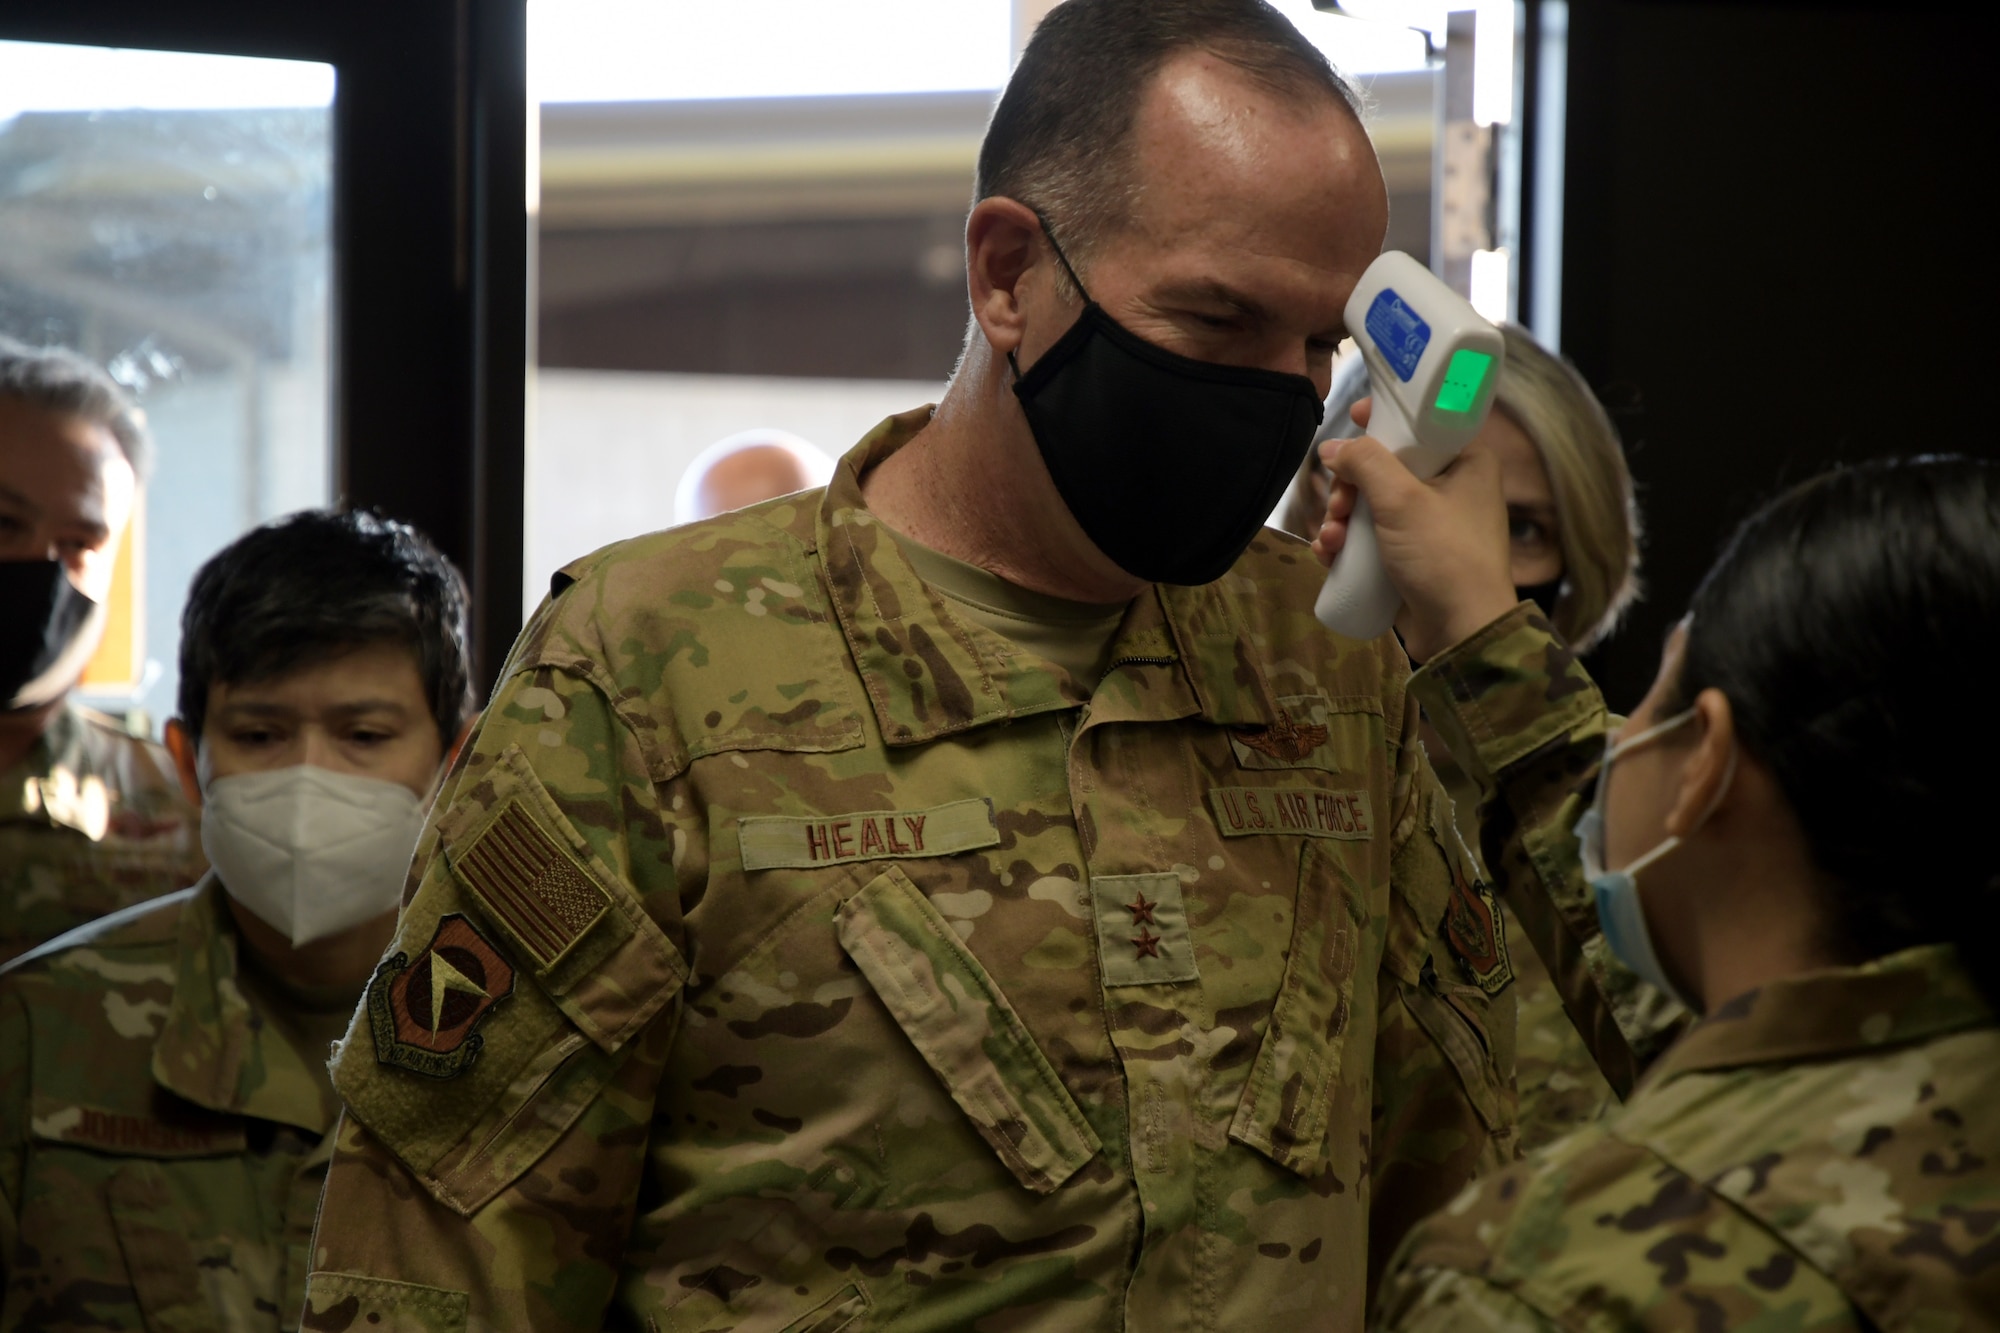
point(531, 885)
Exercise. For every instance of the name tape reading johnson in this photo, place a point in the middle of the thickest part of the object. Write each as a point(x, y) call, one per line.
point(786, 842)
point(1292, 811)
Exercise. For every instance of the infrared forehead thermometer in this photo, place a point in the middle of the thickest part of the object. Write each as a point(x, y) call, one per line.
point(1432, 364)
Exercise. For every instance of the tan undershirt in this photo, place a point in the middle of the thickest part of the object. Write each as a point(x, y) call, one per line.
point(1075, 636)
point(310, 1018)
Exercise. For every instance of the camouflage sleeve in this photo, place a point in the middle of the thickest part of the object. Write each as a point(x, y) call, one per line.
point(501, 1074)
point(13, 1120)
point(1529, 726)
point(1594, 1232)
point(1444, 1301)
point(1443, 1093)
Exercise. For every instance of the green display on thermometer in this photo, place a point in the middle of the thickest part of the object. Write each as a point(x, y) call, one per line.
point(1464, 377)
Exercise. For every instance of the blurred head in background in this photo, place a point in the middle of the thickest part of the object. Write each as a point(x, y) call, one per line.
point(1573, 526)
point(73, 450)
point(748, 468)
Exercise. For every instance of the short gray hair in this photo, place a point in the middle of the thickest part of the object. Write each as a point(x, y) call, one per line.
point(1060, 137)
point(55, 379)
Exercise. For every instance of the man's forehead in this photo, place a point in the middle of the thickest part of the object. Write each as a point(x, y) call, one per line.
point(380, 674)
point(1221, 151)
point(44, 453)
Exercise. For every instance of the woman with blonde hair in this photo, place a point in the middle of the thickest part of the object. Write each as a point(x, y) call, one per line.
point(1573, 547)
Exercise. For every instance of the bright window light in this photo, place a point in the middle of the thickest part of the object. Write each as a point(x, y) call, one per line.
point(40, 76)
point(1491, 279)
point(1379, 39)
point(663, 50)
point(1493, 62)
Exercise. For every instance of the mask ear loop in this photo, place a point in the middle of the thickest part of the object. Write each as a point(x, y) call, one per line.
point(1063, 259)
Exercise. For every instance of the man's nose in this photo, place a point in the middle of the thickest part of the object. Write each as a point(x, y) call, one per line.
point(317, 747)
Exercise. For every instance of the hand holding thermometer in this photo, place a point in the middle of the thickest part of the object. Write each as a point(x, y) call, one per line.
point(1432, 365)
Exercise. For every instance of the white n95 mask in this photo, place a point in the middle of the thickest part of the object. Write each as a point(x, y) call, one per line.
point(309, 851)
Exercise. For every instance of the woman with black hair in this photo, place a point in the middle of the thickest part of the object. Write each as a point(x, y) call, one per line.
point(1786, 835)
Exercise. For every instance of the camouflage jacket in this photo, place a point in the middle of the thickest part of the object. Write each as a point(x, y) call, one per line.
point(91, 821)
point(1821, 1154)
point(788, 953)
point(162, 1147)
point(1558, 1086)
point(1527, 725)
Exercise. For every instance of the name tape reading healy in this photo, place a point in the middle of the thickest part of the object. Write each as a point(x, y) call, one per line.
point(772, 842)
point(1310, 812)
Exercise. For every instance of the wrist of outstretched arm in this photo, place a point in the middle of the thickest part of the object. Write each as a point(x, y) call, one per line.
point(1508, 692)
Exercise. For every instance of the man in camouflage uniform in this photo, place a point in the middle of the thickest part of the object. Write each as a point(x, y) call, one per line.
point(165, 1111)
point(846, 962)
point(91, 817)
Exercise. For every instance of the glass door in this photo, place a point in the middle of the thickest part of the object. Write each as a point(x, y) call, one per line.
point(168, 216)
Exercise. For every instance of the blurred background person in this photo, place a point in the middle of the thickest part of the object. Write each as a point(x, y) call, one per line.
point(1573, 550)
point(748, 468)
point(91, 818)
point(170, 1179)
point(1785, 833)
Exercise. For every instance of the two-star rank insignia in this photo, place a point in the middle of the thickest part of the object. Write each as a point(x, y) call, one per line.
point(1142, 930)
point(423, 1013)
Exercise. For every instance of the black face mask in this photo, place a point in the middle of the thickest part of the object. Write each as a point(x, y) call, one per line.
point(1170, 465)
point(43, 620)
point(1543, 595)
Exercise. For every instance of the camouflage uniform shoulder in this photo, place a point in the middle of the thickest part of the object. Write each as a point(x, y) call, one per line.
point(713, 636)
point(132, 934)
point(1278, 579)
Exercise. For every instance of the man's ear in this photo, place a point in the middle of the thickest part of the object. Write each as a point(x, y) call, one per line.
point(1704, 781)
point(1002, 243)
point(181, 746)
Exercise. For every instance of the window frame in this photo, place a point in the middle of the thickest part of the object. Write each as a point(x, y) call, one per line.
point(431, 249)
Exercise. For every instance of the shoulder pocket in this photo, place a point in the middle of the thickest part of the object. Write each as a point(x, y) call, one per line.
point(521, 970)
point(1288, 1099)
point(966, 1031)
point(531, 875)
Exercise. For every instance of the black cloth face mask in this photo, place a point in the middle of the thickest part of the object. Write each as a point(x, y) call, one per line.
point(43, 622)
point(1170, 465)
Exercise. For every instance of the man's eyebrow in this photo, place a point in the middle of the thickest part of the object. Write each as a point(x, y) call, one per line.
point(347, 708)
point(14, 497)
point(1209, 289)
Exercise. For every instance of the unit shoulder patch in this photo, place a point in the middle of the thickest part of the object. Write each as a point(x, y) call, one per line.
point(423, 1014)
point(1478, 936)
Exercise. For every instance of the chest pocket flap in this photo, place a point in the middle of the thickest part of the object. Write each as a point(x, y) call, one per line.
point(966, 1031)
point(1287, 1103)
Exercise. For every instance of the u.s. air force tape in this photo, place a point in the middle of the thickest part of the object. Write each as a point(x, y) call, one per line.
point(1312, 812)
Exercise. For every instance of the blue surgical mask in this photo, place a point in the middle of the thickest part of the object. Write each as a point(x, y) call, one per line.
point(1619, 911)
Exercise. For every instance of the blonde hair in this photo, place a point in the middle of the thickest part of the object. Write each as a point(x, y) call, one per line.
point(1597, 519)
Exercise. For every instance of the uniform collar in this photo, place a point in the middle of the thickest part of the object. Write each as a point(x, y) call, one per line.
point(930, 673)
point(59, 782)
point(215, 1050)
point(1906, 997)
